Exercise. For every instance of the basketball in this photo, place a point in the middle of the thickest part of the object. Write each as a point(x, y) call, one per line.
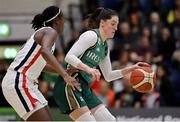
point(143, 80)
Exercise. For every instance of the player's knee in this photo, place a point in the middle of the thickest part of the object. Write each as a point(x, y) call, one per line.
point(86, 117)
point(103, 114)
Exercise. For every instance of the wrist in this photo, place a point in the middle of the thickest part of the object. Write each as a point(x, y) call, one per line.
point(88, 69)
point(127, 70)
point(65, 75)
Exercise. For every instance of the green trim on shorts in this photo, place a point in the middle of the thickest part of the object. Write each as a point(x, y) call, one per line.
point(71, 98)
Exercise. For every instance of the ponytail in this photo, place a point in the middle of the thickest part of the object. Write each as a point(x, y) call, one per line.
point(98, 15)
point(38, 21)
point(93, 21)
point(46, 17)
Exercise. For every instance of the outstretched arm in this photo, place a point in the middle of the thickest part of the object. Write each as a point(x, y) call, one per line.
point(47, 40)
point(49, 68)
point(111, 75)
point(106, 69)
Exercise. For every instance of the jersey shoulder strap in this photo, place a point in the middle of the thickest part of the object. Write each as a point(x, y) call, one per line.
point(95, 30)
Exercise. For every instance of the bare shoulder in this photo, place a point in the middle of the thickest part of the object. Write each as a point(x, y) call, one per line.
point(48, 32)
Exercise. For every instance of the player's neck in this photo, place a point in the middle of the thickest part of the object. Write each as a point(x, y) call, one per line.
point(102, 35)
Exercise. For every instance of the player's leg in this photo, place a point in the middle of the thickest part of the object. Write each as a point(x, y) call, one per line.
point(71, 102)
point(101, 113)
point(82, 114)
point(41, 111)
point(43, 114)
point(26, 99)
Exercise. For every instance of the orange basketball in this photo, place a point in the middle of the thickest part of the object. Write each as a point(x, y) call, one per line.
point(143, 80)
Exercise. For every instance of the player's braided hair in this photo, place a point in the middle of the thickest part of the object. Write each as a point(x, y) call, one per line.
point(46, 17)
point(100, 14)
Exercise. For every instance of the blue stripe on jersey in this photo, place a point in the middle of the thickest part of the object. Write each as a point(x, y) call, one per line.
point(26, 57)
point(19, 93)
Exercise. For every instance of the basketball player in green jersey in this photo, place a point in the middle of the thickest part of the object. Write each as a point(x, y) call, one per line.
point(86, 54)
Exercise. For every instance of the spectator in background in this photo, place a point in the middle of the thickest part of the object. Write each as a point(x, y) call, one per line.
point(135, 26)
point(155, 26)
point(166, 46)
point(122, 39)
point(74, 36)
point(145, 6)
point(123, 61)
point(127, 98)
point(124, 98)
point(111, 4)
point(164, 86)
point(175, 77)
point(151, 99)
point(106, 94)
point(165, 6)
point(143, 51)
point(173, 20)
point(133, 7)
point(146, 32)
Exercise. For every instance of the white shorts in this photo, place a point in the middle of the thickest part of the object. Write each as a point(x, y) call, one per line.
point(22, 94)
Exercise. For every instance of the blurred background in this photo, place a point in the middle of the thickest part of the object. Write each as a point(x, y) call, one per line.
point(149, 30)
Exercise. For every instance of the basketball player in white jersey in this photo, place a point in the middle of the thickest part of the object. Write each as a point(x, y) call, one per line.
point(20, 82)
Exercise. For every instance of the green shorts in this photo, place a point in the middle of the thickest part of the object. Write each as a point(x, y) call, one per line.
point(68, 99)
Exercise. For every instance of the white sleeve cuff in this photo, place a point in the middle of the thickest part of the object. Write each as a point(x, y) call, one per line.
point(73, 60)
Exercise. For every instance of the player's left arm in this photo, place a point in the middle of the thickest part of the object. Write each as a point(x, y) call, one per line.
point(110, 75)
point(106, 69)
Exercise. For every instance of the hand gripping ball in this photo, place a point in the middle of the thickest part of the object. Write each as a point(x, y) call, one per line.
point(143, 79)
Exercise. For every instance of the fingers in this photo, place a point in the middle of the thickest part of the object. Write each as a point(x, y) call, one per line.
point(143, 64)
point(140, 65)
point(76, 85)
point(71, 81)
point(96, 75)
point(93, 77)
point(70, 71)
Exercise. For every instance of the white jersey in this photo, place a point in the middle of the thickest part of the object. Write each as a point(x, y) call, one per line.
point(29, 60)
point(19, 85)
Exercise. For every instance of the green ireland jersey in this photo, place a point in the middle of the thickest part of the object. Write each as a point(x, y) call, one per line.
point(94, 55)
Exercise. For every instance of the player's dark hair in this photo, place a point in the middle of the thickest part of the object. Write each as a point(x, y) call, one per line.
point(100, 14)
point(46, 17)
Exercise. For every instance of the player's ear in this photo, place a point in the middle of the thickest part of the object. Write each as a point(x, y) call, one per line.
point(102, 22)
point(56, 21)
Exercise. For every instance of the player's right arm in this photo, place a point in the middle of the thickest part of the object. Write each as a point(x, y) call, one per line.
point(46, 39)
point(49, 68)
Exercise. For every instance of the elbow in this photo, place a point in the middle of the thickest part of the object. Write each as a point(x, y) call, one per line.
point(107, 79)
point(66, 58)
point(45, 51)
point(70, 59)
